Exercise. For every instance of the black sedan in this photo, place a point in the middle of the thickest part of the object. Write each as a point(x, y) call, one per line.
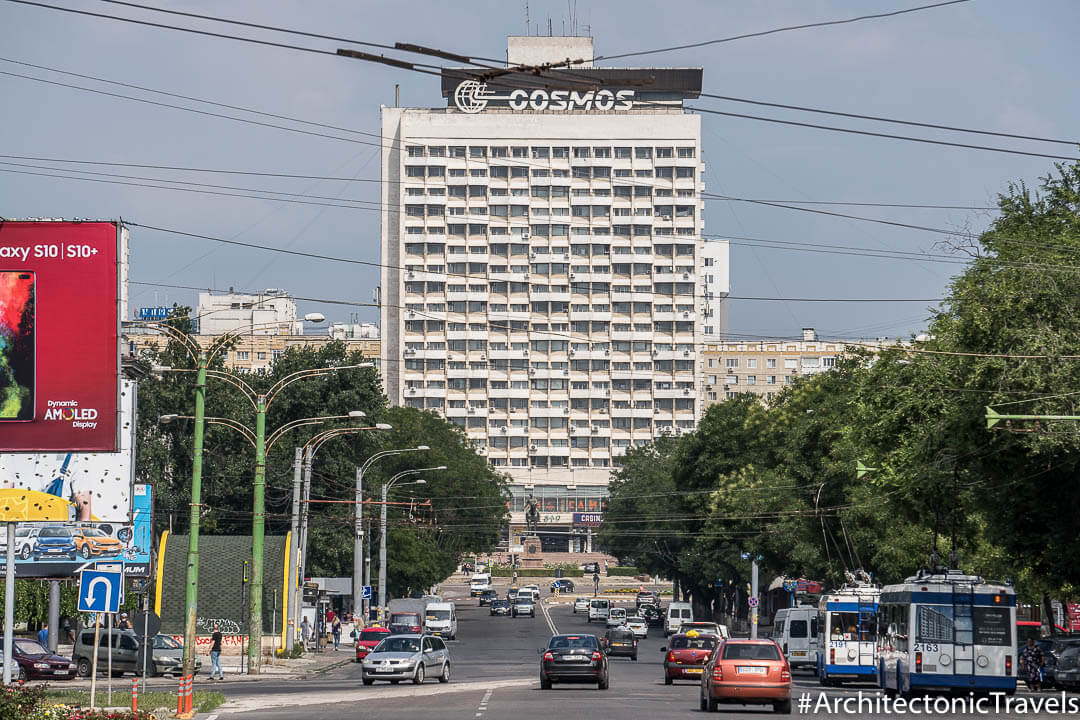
point(500, 607)
point(573, 658)
point(487, 596)
point(562, 585)
point(652, 615)
point(37, 663)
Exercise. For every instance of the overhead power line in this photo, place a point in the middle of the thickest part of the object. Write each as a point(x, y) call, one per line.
point(773, 31)
point(894, 121)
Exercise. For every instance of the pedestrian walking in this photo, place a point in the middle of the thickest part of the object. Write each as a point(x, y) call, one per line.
point(124, 623)
point(43, 636)
point(215, 654)
point(1031, 665)
point(335, 628)
point(305, 632)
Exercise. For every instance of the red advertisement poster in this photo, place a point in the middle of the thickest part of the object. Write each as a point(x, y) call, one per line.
point(59, 324)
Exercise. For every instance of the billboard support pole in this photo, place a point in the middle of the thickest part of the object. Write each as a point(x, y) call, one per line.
point(53, 638)
point(192, 594)
point(9, 602)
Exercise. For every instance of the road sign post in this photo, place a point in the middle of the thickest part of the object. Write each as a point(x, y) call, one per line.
point(100, 591)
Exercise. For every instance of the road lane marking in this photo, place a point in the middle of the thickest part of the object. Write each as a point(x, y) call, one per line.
point(547, 617)
point(264, 702)
point(484, 702)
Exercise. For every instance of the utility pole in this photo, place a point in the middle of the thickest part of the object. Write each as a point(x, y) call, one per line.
point(358, 544)
point(754, 599)
point(294, 546)
point(258, 528)
point(305, 507)
point(192, 592)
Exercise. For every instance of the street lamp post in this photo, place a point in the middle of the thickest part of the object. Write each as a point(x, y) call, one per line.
point(358, 539)
point(382, 525)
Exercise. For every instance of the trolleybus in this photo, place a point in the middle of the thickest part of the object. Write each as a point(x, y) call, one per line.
point(848, 623)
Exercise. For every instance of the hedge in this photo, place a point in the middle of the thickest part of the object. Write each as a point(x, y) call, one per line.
point(534, 572)
point(623, 571)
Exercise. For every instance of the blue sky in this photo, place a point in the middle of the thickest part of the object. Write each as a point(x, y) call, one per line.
point(987, 64)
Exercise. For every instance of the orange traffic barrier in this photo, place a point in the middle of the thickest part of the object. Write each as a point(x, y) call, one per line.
point(134, 695)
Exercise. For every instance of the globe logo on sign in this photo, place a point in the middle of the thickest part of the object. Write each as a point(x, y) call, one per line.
point(470, 96)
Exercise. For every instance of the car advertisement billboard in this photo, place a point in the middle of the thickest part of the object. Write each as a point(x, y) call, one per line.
point(62, 550)
point(84, 487)
point(62, 290)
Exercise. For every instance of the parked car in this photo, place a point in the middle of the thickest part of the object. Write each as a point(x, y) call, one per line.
point(36, 662)
point(92, 542)
point(54, 541)
point(487, 596)
point(562, 585)
point(747, 671)
point(500, 607)
point(622, 642)
point(127, 654)
point(581, 604)
point(407, 657)
point(369, 638)
point(686, 655)
point(166, 656)
point(1068, 668)
point(591, 568)
point(573, 658)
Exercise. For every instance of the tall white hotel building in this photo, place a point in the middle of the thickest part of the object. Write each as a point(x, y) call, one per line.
point(544, 280)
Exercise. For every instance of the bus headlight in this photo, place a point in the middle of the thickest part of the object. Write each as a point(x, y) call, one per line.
point(851, 654)
point(944, 660)
point(982, 661)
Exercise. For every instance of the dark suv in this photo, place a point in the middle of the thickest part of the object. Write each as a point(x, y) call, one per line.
point(487, 596)
point(621, 642)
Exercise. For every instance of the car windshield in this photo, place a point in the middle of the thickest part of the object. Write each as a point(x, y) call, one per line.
point(164, 642)
point(499, 603)
point(404, 619)
point(399, 644)
point(750, 651)
point(702, 642)
point(29, 647)
point(573, 642)
point(635, 620)
point(55, 532)
point(92, 532)
point(438, 614)
point(618, 612)
point(369, 635)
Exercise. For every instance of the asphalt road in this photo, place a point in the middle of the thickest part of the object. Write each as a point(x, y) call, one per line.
point(495, 676)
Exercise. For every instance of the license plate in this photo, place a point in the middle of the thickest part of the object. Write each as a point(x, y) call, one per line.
point(61, 672)
point(621, 644)
point(751, 670)
point(693, 671)
point(384, 669)
point(573, 658)
point(799, 653)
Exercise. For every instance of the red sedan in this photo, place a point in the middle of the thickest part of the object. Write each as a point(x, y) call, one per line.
point(686, 656)
point(369, 638)
point(747, 672)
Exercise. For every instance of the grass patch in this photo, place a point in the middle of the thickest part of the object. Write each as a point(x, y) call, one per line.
point(204, 700)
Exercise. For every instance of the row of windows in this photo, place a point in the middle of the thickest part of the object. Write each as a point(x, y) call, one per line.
point(440, 191)
point(752, 379)
point(536, 191)
point(522, 364)
point(602, 289)
point(543, 152)
point(482, 231)
point(578, 250)
point(789, 363)
point(619, 346)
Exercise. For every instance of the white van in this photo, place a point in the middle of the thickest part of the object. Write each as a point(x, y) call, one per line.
point(480, 583)
point(677, 614)
point(599, 608)
point(440, 619)
point(796, 630)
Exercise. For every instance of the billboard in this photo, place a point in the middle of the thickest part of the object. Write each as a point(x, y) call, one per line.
point(85, 487)
point(62, 289)
point(62, 550)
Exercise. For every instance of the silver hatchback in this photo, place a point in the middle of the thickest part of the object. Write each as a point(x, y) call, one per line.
point(407, 657)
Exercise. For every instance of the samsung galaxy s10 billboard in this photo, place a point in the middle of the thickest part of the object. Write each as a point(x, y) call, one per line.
point(62, 285)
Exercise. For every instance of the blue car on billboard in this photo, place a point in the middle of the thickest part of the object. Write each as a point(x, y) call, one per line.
point(55, 542)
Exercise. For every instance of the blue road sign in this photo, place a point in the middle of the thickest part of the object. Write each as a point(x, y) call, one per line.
point(100, 591)
point(366, 593)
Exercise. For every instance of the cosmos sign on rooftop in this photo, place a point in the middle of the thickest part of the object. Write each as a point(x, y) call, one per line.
point(474, 96)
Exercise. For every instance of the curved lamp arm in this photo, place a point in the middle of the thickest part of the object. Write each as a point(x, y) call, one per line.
point(300, 374)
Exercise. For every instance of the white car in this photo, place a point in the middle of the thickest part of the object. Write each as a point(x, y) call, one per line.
point(581, 605)
point(616, 617)
point(639, 626)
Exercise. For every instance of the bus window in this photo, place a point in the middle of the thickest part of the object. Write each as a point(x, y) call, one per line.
point(845, 625)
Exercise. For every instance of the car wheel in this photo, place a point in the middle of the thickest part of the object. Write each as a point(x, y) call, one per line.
point(23, 676)
point(368, 681)
point(545, 684)
point(85, 552)
point(418, 678)
point(603, 683)
point(444, 676)
point(84, 667)
point(667, 680)
point(784, 708)
point(25, 554)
